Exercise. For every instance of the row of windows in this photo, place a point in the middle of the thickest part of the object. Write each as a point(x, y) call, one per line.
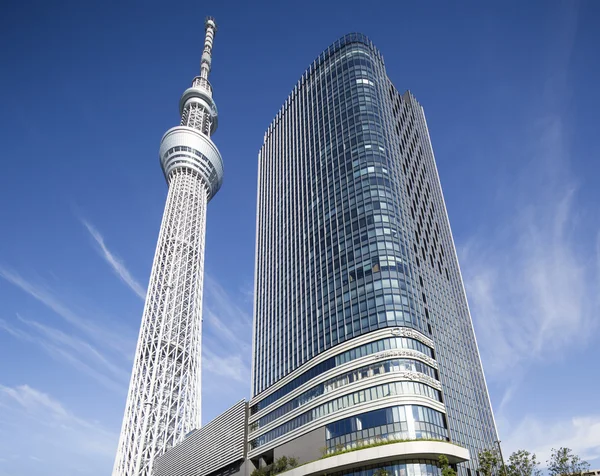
point(381, 345)
point(352, 81)
point(369, 296)
point(340, 191)
point(341, 159)
point(361, 118)
point(384, 416)
point(390, 433)
point(204, 164)
point(356, 42)
point(464, 389)
point(356, 353)
point(295, 383)
point(349, 113)
point(358, 117)
point(395, 423)
point(323, 159)
point(355, 224)
point(391, 308)
point(354, 212)
point(369, 394)
point(367, 371)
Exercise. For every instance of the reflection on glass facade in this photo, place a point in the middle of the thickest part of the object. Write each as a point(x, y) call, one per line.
point(331, 245)
point(340, 359)
point(347, 378)
point(393, 423)
point(353, 241)
point(353, 399)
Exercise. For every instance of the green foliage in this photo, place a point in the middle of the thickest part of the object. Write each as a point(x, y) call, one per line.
point(381, 472)
point(445, 466)
point(523, 463)
point(378, 443)
point(489, 462)
point(563, 462)
point(259, 472)
point(280, 465)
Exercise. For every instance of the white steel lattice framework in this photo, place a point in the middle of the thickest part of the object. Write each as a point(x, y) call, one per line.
point(163, 403)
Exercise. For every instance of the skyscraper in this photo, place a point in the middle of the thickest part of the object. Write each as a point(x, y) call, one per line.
point(362, 328)
point(163, 403)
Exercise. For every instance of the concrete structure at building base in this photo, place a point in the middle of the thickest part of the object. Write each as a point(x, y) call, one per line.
point(364, 354)
point(219, 449)
point(592, 472)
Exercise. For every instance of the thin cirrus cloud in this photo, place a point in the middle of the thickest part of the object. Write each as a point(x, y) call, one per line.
point(533, 280)
point(226, 343)
point(228, 325)
point(82, 343)
point(580, 433)
point(80, 346)
point(56, 437)
point(228, 316)
point(69, 349)
point(52, 301)
point(225, 366)
point(227, 322)
point(115, 263)
point(533, 277)
point(533, 285)
point(534, 298)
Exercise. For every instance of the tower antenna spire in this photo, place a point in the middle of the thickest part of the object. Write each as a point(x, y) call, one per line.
point(205, 63)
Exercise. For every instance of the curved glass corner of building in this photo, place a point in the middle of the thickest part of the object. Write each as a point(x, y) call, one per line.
point(332, 256)
point(356, 326)
point(383, 386)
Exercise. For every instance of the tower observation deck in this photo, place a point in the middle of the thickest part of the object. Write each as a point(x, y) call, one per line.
point(164, 398)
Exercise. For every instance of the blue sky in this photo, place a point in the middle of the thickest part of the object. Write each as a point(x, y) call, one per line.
point(87, 89)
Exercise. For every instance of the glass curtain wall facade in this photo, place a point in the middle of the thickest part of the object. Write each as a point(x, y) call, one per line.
point(361, 320)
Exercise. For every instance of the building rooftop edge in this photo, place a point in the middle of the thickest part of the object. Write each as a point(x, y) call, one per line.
point(341, 42)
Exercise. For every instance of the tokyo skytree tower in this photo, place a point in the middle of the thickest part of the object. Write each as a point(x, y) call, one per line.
point(163, 403)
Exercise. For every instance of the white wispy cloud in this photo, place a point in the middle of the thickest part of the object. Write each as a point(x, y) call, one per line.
point(115, 263)
point(226, 342)
point(227, 330)
point(53, 433)
point(70, 349)
point(80, 346)
point(227, 317)
point(533, 281)
point(533, 276)
point(238, 308)
point(533, 289)
point(32, 401)
point(580, 433)
point(225, 367)
point(49, 298)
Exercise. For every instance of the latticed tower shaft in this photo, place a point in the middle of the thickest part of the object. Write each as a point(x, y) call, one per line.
point(163, 403)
